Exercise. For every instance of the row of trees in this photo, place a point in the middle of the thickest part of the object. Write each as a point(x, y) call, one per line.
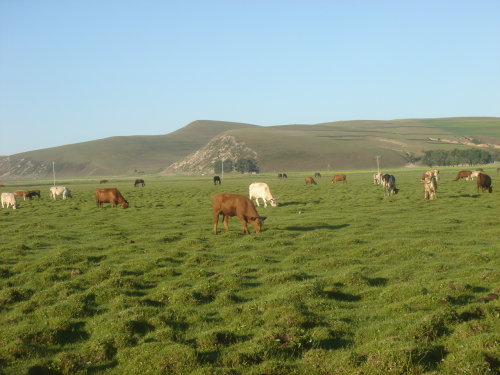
point(242, 165)
point(457, 157)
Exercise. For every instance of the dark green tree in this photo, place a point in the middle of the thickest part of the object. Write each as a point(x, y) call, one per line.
point(244, 165)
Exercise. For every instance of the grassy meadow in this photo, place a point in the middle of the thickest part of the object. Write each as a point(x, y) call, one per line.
point(342, 280)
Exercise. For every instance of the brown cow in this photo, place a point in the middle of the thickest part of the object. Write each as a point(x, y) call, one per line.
point(484, 182)
point(229, 205)
point(464, 174)
point(111, 195)
point(34, 193)
point(21, 193)
point(338, 178)
point(310, 181)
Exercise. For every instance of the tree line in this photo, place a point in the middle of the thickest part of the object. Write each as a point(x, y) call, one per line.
point(458, 157)
point(242, 165)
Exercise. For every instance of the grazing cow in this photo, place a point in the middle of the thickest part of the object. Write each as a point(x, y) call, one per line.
point(229, 205)
point(377, 178)
point(261, 190)
point(9, 199)
point(317, 174)
point(464, 174)
point(432, 172)
point(484, 182)
point(139, 181)
point(60, 190)
point(389, 183)
point(282, 175)
point(430, 187)
point(111, 195)
point(103, 181)
point(217, 180)
point(21, 193)
point(338, 178)
point(310, 181)
point(34, 193)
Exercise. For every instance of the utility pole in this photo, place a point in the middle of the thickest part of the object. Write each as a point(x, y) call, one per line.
point(54, 172)
point(378, 165)
point(222, 177)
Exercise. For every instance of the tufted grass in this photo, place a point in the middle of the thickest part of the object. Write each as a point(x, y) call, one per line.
point(342, 280)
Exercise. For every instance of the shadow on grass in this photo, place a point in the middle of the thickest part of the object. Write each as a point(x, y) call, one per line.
point(340, 296)
point(316, 227)
point(466, 196)
point(290, 204)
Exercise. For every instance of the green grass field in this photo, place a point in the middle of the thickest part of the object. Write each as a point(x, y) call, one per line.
point(341, 280)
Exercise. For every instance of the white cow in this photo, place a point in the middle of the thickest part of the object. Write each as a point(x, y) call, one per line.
point(9, 199)
point(430, 173)
point(377, 178)
point(60, 190)
point(261, 190)
point(430, 187)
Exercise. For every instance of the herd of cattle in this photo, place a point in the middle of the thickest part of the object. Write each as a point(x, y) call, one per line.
point(229, 204)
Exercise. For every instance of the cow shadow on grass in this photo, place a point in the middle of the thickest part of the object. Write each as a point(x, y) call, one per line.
point(466, 196)
point(315, 227)
point(284, 204)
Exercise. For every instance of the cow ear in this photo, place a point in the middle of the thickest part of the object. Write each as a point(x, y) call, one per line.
point(263, 218)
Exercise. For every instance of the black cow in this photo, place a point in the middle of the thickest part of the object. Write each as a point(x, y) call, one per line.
point(139, 181)
point(217, 180)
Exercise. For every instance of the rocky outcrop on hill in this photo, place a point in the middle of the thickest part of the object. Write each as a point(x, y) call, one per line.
point(225, 147)
point(23, 167)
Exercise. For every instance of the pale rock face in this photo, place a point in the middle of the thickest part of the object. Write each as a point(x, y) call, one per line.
point(225, 147)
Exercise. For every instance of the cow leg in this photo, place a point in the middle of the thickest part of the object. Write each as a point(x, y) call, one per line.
point(257, 202)
point(265, 202)
point(225, 221)
point(215, 221)
point(244, 224)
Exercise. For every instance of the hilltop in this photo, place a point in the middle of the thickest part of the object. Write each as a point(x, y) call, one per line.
point(193, 148)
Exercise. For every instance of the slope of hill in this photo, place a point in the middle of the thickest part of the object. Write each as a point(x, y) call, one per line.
point(194, 148)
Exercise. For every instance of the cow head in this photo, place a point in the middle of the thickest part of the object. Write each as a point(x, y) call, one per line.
point(273, 202)
point(257, 222)
point(124, 204)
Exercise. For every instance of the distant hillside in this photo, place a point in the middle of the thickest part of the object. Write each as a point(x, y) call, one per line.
point(194, 148)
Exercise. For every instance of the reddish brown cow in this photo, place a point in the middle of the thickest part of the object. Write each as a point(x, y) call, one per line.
point(464, 174)
point(484, 182)
point(111, 195)
point(229, 205)
point(21, 193)
point(310, 181)
point(338, 178)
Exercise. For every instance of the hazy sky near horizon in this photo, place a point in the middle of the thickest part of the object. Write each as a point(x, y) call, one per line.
point(80, 70)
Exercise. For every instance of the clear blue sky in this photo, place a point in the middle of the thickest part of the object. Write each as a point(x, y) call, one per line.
point(79, 70)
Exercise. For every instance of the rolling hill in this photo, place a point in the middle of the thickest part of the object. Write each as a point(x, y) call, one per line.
point(193, 148)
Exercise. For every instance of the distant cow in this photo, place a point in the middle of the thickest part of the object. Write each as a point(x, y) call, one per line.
point(432, 172)
point(338, 178)
point(310, 181)
point(229, 205)
point(464, 174)
point(377, 178)
point(103, 181)
point(111, 195)
point(139, 181)
point(34, 193)
point(21, 193)
point(484, 182)
point(430, 187)
point(317, 174)
point(60, 190)
point(217, 180)
point(8, 199)
point(389, 183)
point(261, 190)
point(282, 175)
